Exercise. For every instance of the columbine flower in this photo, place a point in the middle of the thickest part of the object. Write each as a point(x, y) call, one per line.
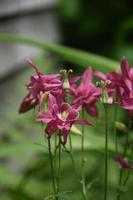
point(60, 117)
point(39, 84)
point(123, 163)
point(86, 94)
point(126, 86)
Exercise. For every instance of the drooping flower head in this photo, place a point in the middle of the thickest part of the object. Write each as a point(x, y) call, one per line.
point(60, 117)
point(123, 163)
point(86, 94)
point(40, 83)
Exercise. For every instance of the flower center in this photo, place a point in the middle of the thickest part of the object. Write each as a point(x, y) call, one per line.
point(64, 115)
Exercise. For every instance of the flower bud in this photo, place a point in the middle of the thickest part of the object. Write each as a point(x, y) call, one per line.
point(121, 127)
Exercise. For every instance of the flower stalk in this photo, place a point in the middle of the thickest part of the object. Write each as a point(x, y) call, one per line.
point(129, 171)
point(72, 157)
point(115, 129)
point(52, 170)
point(122, 168)
point(59, 165)
point(106, 152)
point(84, 193)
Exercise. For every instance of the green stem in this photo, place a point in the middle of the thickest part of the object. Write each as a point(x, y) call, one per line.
point(106, 151)
point(52, 170)
point(120, 180)
point(54, 159)
point(127, 177)
point(59, 166)
point(122, 169)
point(129, 171)
point(72, 157)
point(83, 163)
point(115, 130)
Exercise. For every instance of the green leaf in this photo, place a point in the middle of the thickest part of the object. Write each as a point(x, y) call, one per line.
point(91, 183)
point(69, 54)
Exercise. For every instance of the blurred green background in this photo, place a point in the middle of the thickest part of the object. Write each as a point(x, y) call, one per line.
point(100, 27)
point(103, 27)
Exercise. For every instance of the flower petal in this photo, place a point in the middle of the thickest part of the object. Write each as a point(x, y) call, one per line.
point(83, 122)
point(125, 68)
point(65, 133)
point(66, 107)
point(127, 103)
point(34, 66)
point(87, 76)
point(73, 114)
point(100, 75)
point(44, 117)
point(49, 86)
point(92, 110)
point(51, 128)
point(28, 103)
point(128, 84)
point(52, 76)
point(51, 102)
point(74, 79)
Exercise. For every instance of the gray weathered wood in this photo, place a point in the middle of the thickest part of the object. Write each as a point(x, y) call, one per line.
point(12, 7)
point(41, 25)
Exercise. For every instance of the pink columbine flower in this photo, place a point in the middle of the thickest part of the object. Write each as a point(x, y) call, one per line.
point(123, 163)
point(86, 94)
point(60, 117)
point(126, 86)
point(39, 84)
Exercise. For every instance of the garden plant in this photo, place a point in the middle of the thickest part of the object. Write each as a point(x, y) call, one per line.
point(60, 100)
point(66, 104)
